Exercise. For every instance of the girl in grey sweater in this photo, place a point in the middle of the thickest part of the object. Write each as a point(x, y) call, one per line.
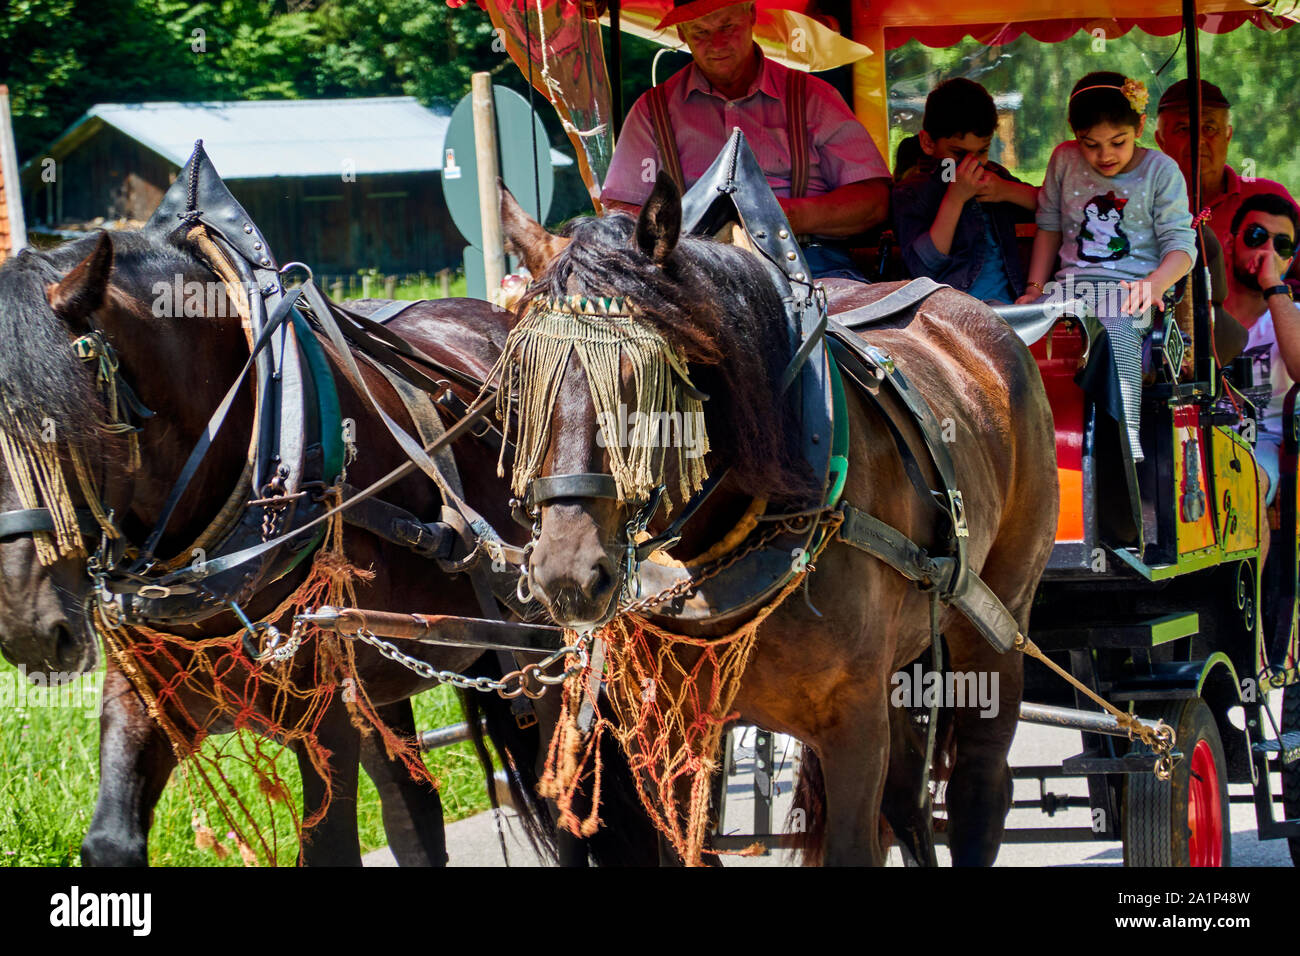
point(1116, 214)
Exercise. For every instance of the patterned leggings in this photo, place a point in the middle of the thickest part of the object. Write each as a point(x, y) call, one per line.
point(1125, 338)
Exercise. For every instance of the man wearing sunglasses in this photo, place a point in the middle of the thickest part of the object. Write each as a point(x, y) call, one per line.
point(1261, 248)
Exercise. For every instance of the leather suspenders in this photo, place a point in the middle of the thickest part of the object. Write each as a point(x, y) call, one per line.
point(796, 127)
point(663, 129)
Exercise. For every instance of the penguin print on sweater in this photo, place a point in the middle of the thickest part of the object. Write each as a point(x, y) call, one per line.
point(1101, 235)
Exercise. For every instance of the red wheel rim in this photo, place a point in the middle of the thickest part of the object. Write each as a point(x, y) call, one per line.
point(1204, 809)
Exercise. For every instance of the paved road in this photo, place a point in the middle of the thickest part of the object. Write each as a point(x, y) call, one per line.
point(474, 841)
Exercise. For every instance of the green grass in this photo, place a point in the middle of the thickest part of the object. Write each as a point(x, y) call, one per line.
point(409, 287)
point(49, 775)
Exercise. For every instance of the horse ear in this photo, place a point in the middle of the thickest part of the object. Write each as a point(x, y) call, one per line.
point(82, 290)
point(525, 237)
point(660, 224)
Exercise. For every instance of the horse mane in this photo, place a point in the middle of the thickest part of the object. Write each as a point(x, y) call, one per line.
point(41, 380)
point(718, 304)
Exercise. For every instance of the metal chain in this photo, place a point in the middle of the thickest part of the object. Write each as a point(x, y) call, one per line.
point(509, 686)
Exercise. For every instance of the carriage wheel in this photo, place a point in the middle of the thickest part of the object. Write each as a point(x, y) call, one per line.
point(1182, 821)
point(1291, 772)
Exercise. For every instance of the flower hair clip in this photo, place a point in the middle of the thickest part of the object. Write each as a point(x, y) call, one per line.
point(1135, 91)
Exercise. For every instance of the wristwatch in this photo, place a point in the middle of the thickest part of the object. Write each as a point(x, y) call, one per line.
point(1283, 289)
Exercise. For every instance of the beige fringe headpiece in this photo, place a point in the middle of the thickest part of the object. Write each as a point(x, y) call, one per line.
point(603, 331)
point(32, 456)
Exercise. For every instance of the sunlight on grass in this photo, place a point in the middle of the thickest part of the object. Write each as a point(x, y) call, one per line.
point(49, 776)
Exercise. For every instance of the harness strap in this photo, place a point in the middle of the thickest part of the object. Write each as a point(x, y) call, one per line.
point(900, 300)
point(414, 449)
point(381, 343)
point(398, 526)
point(974, 599)
point(884, 541)
point(218, 418)
point(15, 524)
point(581, 485)
point(663, 132)
point(457, 431)
point(870, 384)
point(796, 127)
point(386, 313)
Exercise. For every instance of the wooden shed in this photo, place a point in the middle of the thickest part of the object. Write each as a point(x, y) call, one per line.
point(341, 184)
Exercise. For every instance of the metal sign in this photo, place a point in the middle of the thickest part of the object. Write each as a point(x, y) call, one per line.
point(515, 146)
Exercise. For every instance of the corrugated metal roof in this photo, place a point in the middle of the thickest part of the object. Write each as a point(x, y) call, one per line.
point(263, 138)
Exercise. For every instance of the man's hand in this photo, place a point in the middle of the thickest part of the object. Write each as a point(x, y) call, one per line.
point(1262, 264)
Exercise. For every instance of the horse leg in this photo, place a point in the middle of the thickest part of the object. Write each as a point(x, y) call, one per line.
point(909, 818)
point(979, 790)
point(135, 762)
point(412, 808)
point(854, 754)
point(333, 841)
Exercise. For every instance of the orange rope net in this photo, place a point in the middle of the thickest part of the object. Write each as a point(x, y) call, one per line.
point(670, 697)
point(192, 686)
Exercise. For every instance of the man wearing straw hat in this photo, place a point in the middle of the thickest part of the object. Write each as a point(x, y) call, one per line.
point(820, 161)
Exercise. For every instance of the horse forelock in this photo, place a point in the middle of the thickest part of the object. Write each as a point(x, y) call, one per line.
point(45, 390)
point(718, 305)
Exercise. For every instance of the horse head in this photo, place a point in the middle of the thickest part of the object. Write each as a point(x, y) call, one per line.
point(91, 345)
point(641, 362)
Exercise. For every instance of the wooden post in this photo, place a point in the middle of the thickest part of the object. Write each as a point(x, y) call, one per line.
point(489, 202)
point(336, 290)
point(365, 286)
point(390, 287)
point(13, 228)
point(444, 283)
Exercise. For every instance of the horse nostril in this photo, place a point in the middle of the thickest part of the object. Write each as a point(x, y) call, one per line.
point(602, 578)
point(65, 646)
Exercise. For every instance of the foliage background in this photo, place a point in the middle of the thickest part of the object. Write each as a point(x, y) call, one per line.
point(59, 57)
point(1258, 71)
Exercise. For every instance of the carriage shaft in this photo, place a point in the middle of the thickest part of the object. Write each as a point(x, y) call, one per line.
point(1088, 720)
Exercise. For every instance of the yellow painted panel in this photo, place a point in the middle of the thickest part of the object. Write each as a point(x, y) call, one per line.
point(1236, 506)
point(1189, 477)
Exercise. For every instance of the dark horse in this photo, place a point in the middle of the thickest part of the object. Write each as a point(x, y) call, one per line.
point(180, 367)
point(824, 678)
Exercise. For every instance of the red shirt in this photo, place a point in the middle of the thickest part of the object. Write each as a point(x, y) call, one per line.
point(840, 148)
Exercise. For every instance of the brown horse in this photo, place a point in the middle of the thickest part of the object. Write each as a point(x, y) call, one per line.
point(822, 676)
point(180, 367)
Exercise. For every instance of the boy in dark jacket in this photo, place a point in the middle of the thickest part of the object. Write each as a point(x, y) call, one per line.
point(955, 214)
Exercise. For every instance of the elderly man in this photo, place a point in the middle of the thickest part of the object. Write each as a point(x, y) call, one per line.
point(839, 189)
point(1222, 189)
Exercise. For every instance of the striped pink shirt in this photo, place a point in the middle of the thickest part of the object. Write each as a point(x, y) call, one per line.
point(840, 148)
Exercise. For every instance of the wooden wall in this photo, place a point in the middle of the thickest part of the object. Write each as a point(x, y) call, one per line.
point(395, 223)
